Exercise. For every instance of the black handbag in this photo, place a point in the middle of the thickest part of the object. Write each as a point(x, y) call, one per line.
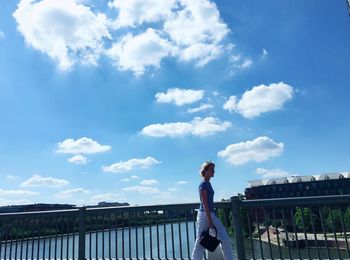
point(208, 242)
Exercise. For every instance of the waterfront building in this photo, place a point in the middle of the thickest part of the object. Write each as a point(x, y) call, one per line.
point(299, 186)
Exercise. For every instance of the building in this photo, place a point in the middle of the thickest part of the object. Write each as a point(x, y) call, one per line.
point(299, 186)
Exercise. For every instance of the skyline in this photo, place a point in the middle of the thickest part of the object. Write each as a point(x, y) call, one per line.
point(123, 101)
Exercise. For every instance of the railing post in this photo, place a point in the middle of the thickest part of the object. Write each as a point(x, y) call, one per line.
point(82, 231)
point(237, 224)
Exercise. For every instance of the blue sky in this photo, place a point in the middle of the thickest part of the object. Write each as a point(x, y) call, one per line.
point(123, 100)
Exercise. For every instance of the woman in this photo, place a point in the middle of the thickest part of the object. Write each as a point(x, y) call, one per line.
point(206, 218)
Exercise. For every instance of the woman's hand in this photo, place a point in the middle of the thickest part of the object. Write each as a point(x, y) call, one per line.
point(212, 232)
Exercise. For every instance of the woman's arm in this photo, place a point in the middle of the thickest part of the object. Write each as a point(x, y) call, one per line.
point(204, 197)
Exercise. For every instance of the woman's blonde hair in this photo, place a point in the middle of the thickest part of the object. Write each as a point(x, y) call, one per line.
point(205, 167)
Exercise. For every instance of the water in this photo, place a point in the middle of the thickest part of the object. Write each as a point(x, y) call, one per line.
point(124, 243)
point(138, 243)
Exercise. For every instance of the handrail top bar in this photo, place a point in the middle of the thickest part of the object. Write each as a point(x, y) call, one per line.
point(311, 200)
point(221, 204)
point(46, 212)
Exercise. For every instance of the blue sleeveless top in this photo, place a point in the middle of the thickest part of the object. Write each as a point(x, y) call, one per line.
point(205, 185)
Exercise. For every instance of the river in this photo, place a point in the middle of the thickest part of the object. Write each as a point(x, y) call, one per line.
point(157, 247)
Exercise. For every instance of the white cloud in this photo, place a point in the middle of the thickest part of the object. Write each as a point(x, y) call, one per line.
point(197, 127)
point(107, 197)
point(197, 21)
point(135, 177)
point(125, 179)
point(17, 192)
point(66, 30)
point(148, 182)
point(202, 107)
point(179, 97)
point(39, 181)
point(197, 29)
point(2, 35)
point(70, 32)
point(200, 52)
point(231, 104)
point(259, 149)
point(83, 145)
point(239, 63)
point(246, 63)
point(260, 99)
point(137, 52)
point(78, 159)
point(181, 182)
point(272, 173)
point(172, 189)
point(142, 189)
point(130, 165)
point(70, 193)
point(136, 12)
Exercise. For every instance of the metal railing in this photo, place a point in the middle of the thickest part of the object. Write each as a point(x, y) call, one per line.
point(295, 228)
point(147, 232)
point(289, 228)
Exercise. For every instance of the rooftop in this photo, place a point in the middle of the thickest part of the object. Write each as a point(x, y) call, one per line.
point(296, 179)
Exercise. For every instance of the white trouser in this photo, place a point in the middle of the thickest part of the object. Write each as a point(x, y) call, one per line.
point(202, 222)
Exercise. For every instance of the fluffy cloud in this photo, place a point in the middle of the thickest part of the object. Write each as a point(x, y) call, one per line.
point(196, 21)
point(83, 145)
point(136, 12)
point(142, 189)
point(260, 99)
point(66, 30)
point(137, 52)
point(70, 31)
point(181, 182)
point(78, 159)
point(202, 107)
point(201, 53)
point(64, 194)
point(260, 149)
point(197, 127)
point(179, 97)
point(148, 182)
point(272, 173)
point(17, 193)
point(130, 165)
point(39, 181)
point(196, 28)
point(231, 104)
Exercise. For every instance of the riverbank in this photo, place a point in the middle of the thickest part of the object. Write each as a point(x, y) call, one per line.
point(278, 236)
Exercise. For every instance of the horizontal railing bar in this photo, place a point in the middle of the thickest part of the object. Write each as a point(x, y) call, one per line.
point(99, 210)
point(296, 201)
point(62, 212)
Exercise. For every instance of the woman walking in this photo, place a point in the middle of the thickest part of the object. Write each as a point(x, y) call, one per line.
point(206, 218)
